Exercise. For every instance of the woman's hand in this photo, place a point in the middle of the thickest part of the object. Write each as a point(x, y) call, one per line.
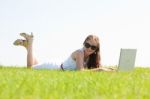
point(103, 69)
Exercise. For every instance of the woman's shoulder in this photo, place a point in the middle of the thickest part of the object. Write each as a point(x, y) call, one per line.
point(77, 52)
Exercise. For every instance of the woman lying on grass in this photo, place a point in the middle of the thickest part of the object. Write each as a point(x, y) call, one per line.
point(86, 58)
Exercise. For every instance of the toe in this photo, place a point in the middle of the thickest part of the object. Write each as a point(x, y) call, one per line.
point(27, 36)
point(18, 42)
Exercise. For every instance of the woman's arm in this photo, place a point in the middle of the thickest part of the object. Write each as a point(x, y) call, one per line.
point(79, 60)
point(78, 56)
point(102, 69)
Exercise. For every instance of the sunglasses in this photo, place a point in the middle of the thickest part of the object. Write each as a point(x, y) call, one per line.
point(87, 45)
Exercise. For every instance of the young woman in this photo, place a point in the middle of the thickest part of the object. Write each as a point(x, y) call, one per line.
point(86, 58)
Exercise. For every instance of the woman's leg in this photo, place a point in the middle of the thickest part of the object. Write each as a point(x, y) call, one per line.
point(31, 60)
point(28, 44)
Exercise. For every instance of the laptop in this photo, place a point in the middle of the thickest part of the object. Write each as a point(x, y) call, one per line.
point(126, 59)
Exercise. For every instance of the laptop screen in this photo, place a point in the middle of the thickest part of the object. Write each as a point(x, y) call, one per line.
point(127, 59)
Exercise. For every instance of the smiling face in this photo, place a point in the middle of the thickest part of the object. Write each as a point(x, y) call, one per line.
point(91, 45)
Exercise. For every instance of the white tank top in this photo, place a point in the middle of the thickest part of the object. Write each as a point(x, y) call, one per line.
point(70, 64)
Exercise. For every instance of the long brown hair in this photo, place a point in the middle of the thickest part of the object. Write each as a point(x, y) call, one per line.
point(95, 58)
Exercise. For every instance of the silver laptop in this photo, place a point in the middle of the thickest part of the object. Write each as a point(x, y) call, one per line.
point(127, 59)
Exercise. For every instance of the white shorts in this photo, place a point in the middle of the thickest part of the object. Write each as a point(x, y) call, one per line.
point(47, 65)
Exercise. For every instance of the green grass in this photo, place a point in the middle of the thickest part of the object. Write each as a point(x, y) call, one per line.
point(22, 83)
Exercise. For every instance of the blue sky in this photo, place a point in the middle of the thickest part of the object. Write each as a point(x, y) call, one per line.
point(60, 27)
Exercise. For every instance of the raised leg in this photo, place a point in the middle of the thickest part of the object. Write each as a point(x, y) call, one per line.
point(28, 44)
point(31, 60)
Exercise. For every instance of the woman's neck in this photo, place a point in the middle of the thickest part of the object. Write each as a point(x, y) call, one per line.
point(85, 56)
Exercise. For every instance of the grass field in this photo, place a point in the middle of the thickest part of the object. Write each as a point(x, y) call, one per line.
point(21, 83)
